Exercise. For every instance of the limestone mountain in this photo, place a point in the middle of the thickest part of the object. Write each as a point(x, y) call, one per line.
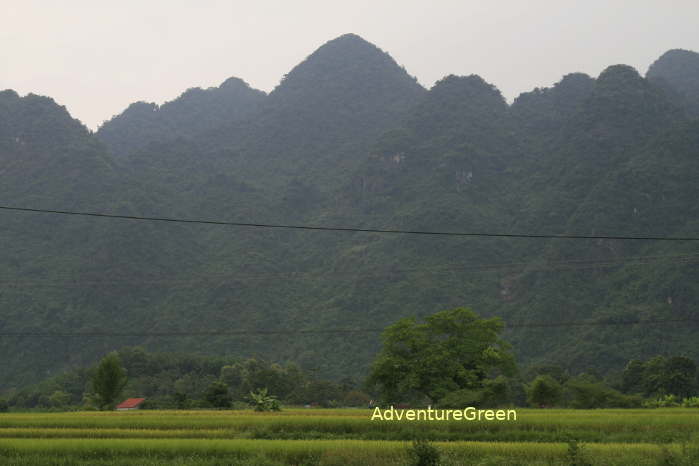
point(349, 138)
point(678, 71)
point(195, 111)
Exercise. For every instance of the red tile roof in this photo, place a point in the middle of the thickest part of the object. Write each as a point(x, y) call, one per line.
point(131, 403)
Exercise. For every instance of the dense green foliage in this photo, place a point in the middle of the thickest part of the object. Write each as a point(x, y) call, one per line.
point(194, 112)
point(263, 401)
point(348, 138)
point(217, 395)
point(659, 376)
point(544, 391)
point(107, 382)
point(453, 350)
point(183, 381)
point(423, 453)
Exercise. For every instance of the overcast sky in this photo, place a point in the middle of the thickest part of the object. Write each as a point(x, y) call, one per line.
point(95, 57)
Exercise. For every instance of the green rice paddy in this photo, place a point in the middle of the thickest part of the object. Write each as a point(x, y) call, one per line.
point(344, 437)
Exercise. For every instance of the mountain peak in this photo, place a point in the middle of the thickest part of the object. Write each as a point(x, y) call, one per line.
point(574, 81)
point(348, 41)
point(549, 108)
point(674, 60)
point(350, 37)
point(235, 84)
point(38, 121)
point(348, 59)
point(571, 91)
point(195, 111)
point(9, 94)
point(347, 82)
point(471, 86)
point(621, 99)
point(470, 94)
point(462, 105)
point(141, 107)
point(620, 80)
point(676, 71)
point(619, 73)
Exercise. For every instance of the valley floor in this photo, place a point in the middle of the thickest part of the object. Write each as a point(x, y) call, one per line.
point(347, 437)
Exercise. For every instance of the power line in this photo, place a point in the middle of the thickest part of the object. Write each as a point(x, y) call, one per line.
point(322, 331)
point(602, 324)
point(351, 229)
point(67, 280)
point(204, 333)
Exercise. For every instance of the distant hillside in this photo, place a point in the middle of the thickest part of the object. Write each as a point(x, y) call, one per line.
point(678, 71)
point(349, 138)
point(325, 112)
point(195, 111)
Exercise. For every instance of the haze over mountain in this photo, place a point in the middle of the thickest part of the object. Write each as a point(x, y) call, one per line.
point(349, 138)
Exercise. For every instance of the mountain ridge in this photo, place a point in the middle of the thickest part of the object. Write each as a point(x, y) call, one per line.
point(588, 155)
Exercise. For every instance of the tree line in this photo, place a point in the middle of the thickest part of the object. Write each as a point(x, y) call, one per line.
point(453, 359)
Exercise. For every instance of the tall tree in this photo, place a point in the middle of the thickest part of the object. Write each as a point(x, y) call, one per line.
point(544, 391)
point(453, 350)
point(109, 380)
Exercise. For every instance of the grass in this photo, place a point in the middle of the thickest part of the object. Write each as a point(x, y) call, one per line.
point(627, 426)
point(342, 437)
point(320, 452)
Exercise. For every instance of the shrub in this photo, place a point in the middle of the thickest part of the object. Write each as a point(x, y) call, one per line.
point(496, 392)
point(667, 401)
point(544, 391)
point(588, 395)
point(217, 394)
point(423, 453)
point(691, 402)
point(687, 456)
point(181, 400)
point(59, 399)
point(356, 398)
point(262, 401)
point(576, 454)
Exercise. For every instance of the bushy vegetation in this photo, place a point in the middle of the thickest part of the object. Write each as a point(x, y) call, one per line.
point(423, 453)
point(182, 381)
point(107, 383)
point(454, 350)
point(262, 401)
point(453, 360)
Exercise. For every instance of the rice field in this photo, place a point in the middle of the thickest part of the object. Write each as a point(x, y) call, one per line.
point(345, 437)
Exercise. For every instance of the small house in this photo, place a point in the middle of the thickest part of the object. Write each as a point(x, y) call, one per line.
point(129, 404)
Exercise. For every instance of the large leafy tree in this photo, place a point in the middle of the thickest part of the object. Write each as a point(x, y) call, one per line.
point(680, 376)
point(452, 350)
point(108, 381)
point(676, 375)
point(544, 391)
point(632, 379)
point(217, 395)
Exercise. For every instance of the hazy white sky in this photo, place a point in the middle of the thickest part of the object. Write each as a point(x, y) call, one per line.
point(95, 57)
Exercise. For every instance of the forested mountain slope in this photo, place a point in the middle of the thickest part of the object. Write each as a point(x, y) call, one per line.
point(193, 112)
point(348, 138)
point(678, 72)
